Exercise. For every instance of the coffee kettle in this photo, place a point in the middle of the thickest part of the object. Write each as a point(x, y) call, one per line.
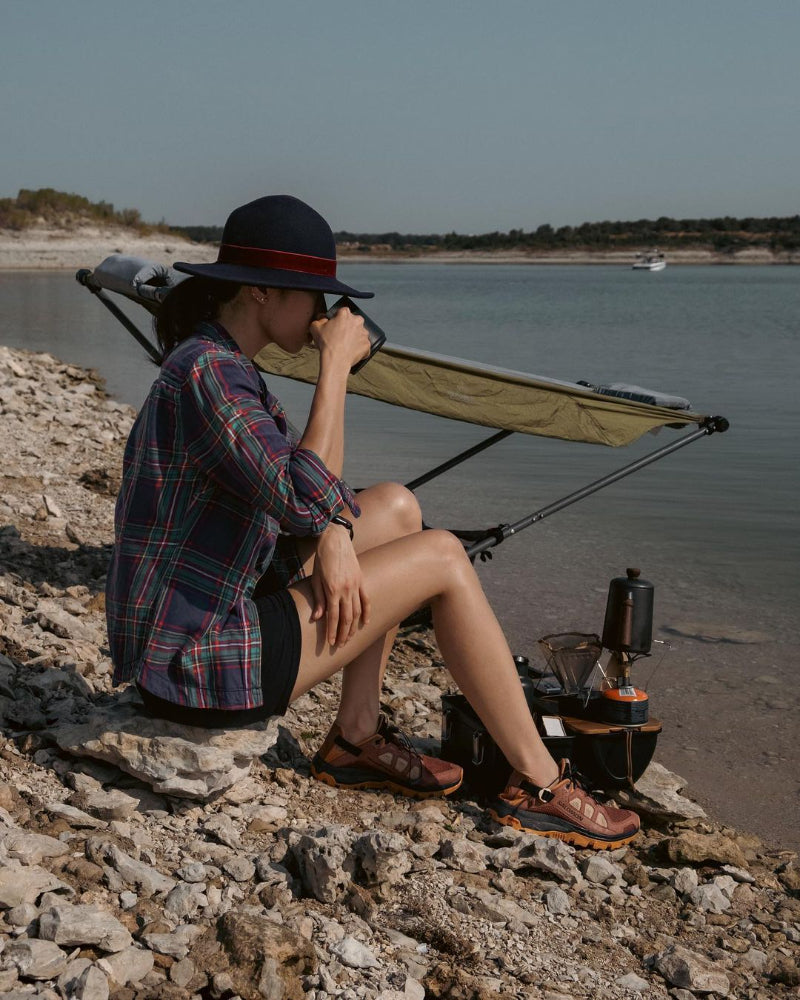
point(628, 626)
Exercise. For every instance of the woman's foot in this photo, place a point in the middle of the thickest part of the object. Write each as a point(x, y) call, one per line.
point(386, 760)
point(563, 810)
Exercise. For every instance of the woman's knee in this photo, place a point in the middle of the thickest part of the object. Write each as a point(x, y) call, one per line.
point(447, 550)
point(401, 507)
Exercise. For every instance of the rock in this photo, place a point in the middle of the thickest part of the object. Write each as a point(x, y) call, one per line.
point(262, 952)
point(83, 924)
point(31, 848)
point(598, 869)
point(384, 857)
point(67, 981)
point(182, 972)
point(26, 885)
point(130, 965)
point(185, 900)
point(541, 853)
point(108, 805)
point(240, 869)
point(177, 760)
point(36, 959)
point(221, 828)
point(22, 915)
point(698, 848)
point(354, 954)
point(175, 944)
point(754, 959)
point(684, 881)
point(657, 793)
point(75, 817)
point(325, 867)
point(90, 985)
point(710, 899)
point(463, 855)
point(633, 982)
point(557, 901)
point(688, 970)
point(195, 871)
point(133, 873)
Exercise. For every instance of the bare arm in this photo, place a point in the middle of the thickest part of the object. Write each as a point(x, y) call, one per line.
point(342, 342)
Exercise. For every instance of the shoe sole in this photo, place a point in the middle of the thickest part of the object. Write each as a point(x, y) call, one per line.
point(572, 837)
point(384, 785)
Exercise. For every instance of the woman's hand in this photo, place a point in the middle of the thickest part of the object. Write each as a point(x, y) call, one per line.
point(344, 337)
point(337, 586)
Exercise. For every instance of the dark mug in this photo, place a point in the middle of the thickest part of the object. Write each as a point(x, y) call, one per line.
point(377, 338)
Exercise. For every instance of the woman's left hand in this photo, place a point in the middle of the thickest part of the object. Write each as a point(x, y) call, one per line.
point(338, 586)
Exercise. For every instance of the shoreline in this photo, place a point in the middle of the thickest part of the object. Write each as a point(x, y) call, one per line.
point(51, 249)
point(352, 891)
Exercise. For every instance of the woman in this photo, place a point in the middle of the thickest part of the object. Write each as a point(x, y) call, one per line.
point(210, 479)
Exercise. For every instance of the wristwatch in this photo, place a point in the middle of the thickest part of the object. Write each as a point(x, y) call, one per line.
point(344, 523)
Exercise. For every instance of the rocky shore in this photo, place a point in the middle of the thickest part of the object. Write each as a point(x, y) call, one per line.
point(139, 860)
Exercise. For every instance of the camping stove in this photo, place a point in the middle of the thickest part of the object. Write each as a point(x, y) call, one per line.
point(627, 634)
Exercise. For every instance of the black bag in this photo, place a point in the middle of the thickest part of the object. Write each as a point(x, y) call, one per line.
point(610, 756)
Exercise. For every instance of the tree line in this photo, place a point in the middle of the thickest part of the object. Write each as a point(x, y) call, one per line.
point(725, 234)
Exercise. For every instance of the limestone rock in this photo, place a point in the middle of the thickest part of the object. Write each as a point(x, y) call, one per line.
point(25, 885)
point(262, 953)
point(108, 805)
point(75, 817)
point(184, 761)
point(697, 848)
point(90, 985)
point(31, 848)
point(354, 954)
point(463, 855)
point(658, 793)
point(325, 866)
point(688, 970)
point(541, 853)
point(134, 873)
point(36, 959)
point(130, 965)
point(83, 924)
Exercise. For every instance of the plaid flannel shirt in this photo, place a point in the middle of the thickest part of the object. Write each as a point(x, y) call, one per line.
point(209, 478)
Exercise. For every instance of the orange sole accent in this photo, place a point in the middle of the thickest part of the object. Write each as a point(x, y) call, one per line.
point(574, 838)
point(385, 786)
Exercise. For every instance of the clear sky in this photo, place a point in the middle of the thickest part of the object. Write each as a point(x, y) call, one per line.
point(416, 115)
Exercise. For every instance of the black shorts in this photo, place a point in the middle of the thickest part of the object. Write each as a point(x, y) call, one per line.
point(280, 661)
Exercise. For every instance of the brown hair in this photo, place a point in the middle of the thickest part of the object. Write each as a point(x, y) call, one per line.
point(189, 303)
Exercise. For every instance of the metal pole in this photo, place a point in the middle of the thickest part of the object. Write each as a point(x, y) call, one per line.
point(84, 276)
point(504, 531)
point(457, 460)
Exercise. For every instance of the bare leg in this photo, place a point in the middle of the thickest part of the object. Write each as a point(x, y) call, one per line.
point(388, 511)
point(400, 576)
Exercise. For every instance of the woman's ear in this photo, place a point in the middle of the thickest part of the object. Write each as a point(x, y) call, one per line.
point(259, 294)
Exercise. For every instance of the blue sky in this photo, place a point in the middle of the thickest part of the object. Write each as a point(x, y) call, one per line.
point(414, 116)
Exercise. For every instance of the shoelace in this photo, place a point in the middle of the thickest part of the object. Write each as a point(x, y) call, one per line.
point(392, 734)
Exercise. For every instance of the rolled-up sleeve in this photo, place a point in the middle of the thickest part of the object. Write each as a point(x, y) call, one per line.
point(233, 440)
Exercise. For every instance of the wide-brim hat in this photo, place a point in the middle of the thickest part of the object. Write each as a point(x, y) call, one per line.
point(276, 242)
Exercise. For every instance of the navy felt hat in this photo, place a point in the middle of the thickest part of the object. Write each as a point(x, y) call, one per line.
point(276, 242)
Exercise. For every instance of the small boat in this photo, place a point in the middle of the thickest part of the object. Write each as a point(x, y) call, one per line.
point(653, 260)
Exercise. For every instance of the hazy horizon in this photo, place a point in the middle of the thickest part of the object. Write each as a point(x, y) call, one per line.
point(415, 118)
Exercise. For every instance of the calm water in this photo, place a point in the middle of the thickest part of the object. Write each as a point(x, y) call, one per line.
point(726, 338)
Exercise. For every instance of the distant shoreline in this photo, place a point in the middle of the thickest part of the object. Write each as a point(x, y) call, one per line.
point(52, 249)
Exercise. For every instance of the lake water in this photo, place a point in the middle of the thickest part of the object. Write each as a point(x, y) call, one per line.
point(726, 338)
point(714, 526)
